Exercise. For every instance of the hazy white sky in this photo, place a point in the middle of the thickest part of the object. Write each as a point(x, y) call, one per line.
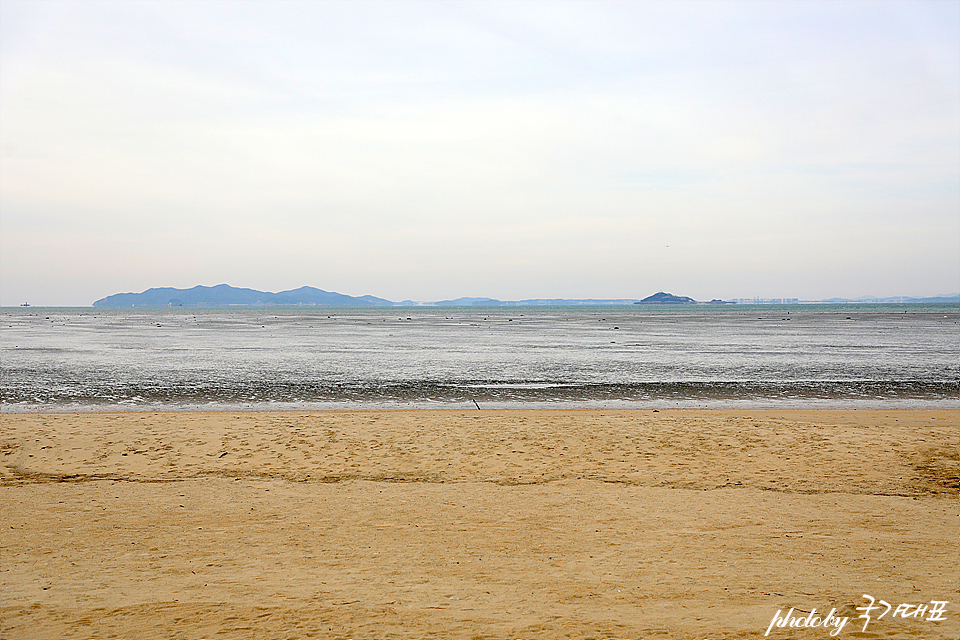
point(432, 150)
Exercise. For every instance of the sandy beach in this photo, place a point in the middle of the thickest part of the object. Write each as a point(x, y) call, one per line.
point(619, 524)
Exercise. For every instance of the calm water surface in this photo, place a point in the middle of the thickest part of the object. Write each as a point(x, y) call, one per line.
point(317, 358)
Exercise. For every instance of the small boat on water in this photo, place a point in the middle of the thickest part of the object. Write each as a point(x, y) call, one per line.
point(25, 304)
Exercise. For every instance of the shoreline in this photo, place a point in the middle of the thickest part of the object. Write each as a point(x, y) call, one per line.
point(804, 404)
point(503, 524)
point(800, 407)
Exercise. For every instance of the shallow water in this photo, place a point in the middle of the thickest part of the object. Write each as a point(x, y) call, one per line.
point(284, 358)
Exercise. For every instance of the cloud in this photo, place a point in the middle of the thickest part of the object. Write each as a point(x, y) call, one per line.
point(538, 149)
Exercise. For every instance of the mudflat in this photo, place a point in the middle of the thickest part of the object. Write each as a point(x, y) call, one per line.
point(620, 524)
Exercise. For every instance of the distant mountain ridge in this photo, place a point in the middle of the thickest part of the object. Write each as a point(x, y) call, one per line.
point(223, 295)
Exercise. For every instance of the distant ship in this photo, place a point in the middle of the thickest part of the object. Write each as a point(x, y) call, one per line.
point(25, 304)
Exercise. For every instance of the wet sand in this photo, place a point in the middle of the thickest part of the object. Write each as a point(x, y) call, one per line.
point(686, 524)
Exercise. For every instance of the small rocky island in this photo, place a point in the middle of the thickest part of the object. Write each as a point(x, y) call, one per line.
point(666, 298)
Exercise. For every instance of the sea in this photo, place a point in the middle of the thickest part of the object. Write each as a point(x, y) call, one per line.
point(635, 356)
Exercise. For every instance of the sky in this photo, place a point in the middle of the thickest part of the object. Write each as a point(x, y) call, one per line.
point(513, 150)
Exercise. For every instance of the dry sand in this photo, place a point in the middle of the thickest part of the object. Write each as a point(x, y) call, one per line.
point(686, 524)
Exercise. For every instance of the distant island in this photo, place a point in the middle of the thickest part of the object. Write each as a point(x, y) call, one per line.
point(224, 295)
point(666, 298)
